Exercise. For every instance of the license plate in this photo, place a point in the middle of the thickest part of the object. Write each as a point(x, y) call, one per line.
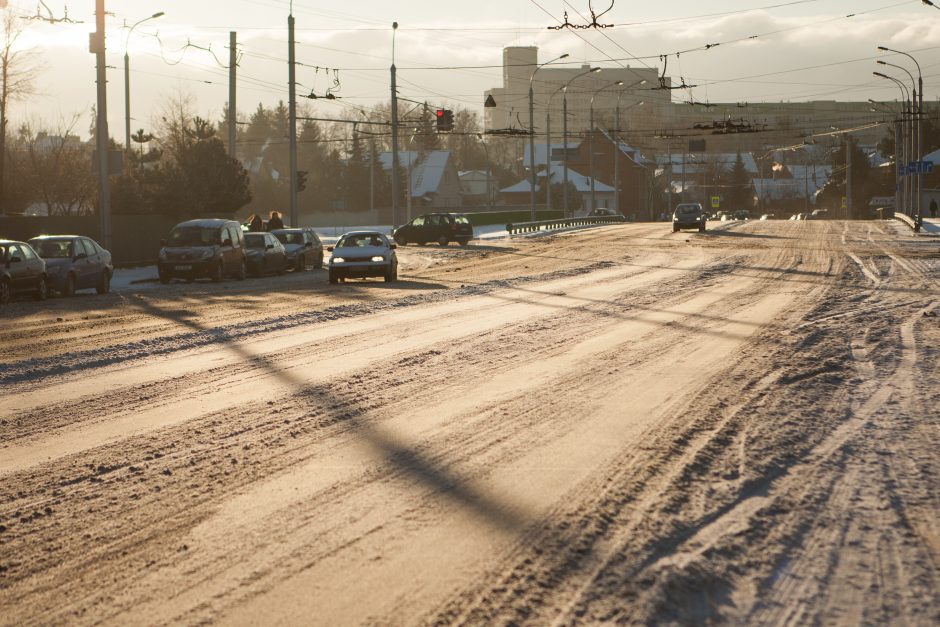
point(182, 268)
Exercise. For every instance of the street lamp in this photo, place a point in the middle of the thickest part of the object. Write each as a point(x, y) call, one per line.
point(564, 123)
point(127, 80)
point(920, 113)
point(903, 156)
point(591, 129)
point(532, 133)
point(617, 144)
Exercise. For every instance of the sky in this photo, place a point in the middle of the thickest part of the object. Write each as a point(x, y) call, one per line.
point(449, 53)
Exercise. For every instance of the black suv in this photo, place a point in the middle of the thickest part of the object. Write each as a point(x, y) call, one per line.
point(442, 228)
point(212, 248)
point(689, 215)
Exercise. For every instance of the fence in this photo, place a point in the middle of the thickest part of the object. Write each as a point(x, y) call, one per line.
point(548, 225)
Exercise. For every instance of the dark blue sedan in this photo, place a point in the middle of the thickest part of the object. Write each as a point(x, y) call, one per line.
point(74, 263)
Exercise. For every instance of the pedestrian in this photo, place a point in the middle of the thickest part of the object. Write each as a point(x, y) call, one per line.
point(933, 207)
point(255, 223)
point(275, 222)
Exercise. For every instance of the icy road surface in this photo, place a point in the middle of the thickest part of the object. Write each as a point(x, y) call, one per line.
point(619, 424)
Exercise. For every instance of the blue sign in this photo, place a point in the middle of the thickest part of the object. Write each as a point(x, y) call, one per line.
point(916, 167)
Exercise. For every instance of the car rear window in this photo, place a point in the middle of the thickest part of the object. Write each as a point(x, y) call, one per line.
point(290, 237)
point(53, 248)
point(254, 240)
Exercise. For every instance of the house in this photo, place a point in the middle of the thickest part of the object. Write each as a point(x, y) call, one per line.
point(518, 194)
point(432, 177)
point(615, 161)
point(478, 187)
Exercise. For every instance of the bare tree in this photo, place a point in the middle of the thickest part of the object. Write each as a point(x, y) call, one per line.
point(57, 164)
point(18, 69)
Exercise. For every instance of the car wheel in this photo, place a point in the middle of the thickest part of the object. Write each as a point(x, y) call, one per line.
point(701, 229)
point(443, 241)
point(217, 273)
point(165, 278)
point(242, 271)
point(104, 285)
point(69, 289)
point(5, 292)
point(333, 277)
point(675, 229)
point(42, 291)
point(301, 263)
point(319, 264)
point(463, 242)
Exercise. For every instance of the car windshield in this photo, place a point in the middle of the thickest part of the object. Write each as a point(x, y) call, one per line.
point(359, 240)
point(688, 209)
point(289, 237)
point(254, 240)
point(194, 236)
point(53, 248)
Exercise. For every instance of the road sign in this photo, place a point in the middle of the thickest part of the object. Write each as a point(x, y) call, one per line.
point(716, 201)
point(917, 167)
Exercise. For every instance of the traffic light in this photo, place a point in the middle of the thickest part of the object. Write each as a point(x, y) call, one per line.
point(301, 180)
point(445, 120)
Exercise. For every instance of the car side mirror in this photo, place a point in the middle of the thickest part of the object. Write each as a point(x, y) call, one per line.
point(227, 242)
point(329, 249)
point(393, 246)
point(269, 247)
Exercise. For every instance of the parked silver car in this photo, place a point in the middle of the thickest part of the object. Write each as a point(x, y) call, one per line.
point(361, 254)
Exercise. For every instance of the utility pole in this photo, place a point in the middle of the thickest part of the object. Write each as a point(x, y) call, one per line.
point(101, 129)
point(848, 177)
point(232, 58)
point(292, 122)
point(395, 164)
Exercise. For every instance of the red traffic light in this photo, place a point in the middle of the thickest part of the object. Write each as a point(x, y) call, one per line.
point(440, 113)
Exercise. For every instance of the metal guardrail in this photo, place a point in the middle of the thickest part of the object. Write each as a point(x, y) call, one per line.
point(548, 225)
point(912, 222)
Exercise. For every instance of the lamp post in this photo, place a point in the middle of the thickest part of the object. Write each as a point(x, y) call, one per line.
point(532, 133)
point(564, 124)
point(617, 144)
point(905, 98)
point(591, 130)
point(920, 113)
point(127, 79)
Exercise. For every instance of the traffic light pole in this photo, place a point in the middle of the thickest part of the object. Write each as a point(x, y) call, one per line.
point(292, 122)
point(395, 164)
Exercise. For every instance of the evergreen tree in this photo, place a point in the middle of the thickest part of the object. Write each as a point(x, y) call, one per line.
point(738, 190)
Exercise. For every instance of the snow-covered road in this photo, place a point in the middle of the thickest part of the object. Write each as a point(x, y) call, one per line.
point(613, 425)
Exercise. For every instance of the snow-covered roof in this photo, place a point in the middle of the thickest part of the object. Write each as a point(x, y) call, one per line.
point(581, 183)
point(694, 163)
point(426, 174)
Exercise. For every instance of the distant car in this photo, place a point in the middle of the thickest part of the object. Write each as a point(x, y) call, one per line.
point(21, 271)
point(604, 212)
point(74, 263)
point(264, 254)
point(442, 228)
point(213, 248)
point(688, 215)
point(303, 247)
point(361, 254)
point(742, 214)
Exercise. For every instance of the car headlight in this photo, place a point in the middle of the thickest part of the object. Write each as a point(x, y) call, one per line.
point(378, 258)
point(337, 260)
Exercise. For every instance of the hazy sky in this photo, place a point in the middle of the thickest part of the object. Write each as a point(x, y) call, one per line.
point(770, 50)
